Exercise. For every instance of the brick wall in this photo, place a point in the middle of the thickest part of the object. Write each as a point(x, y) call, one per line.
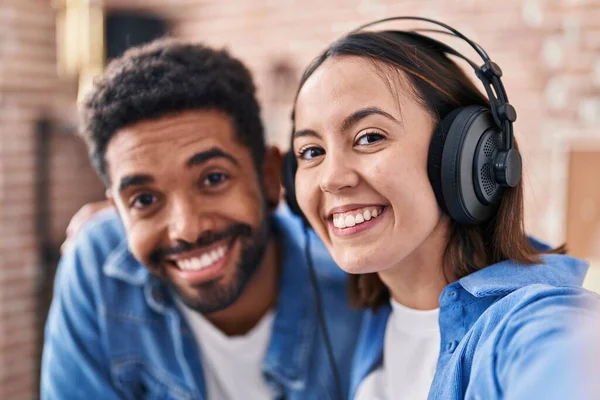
point(29, 91)
point(548, 49)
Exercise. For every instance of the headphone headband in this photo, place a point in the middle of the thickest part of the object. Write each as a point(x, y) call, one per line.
point(489, 74)
point(450, 30)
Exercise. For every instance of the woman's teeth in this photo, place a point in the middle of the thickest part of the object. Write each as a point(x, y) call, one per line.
point(204, 261)
point(355, 217)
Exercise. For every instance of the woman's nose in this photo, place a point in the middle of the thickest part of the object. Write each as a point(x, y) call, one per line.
point(337, 173)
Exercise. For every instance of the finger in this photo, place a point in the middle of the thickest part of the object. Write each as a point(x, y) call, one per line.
point(78, 219)
point(65, 245)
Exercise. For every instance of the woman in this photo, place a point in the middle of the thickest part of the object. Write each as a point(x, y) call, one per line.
point(458, 310)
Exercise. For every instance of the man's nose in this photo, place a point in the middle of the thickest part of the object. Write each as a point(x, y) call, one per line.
point(188, 220)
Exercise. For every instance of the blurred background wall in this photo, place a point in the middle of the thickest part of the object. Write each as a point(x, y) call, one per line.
point(549, 51)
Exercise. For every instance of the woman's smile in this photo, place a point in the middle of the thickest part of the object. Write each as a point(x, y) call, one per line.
point(356, 221)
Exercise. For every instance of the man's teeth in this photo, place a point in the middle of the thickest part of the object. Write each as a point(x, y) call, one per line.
point(346, 220)
point(205, 261)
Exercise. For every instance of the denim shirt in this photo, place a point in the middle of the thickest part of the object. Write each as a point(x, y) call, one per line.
point(114, 331)
point(507, 331)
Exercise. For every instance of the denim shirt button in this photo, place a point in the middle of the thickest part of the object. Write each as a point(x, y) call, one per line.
point(451, 346)
point(453, 295)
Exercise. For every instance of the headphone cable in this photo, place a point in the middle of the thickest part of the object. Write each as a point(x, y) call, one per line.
point(321, 316)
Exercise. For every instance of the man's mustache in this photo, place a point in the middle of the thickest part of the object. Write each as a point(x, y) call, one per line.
point(206, 239)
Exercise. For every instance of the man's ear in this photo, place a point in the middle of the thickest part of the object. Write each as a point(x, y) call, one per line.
point(272, 176)
point(109, 197)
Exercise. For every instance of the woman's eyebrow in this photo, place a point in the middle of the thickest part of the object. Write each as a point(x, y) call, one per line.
point(362, 113)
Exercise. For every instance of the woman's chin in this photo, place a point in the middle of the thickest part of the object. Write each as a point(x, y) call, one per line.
point(356, 264)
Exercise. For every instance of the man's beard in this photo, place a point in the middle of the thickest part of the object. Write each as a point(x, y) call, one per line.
point(212, 296)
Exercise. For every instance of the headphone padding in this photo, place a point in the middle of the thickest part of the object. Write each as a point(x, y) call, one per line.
point(453, 186)
point(434, 160)
point(290, 164)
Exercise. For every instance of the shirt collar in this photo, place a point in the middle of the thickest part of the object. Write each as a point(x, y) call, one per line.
point(121, 264)
point(508, 276)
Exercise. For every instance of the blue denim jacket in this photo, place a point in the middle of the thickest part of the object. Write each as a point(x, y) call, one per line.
point(507, 332)
point(114, 332)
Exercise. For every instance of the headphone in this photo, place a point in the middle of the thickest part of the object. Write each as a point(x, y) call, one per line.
point(472, 157)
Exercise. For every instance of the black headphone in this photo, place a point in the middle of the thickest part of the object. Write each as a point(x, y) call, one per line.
point(472, 156)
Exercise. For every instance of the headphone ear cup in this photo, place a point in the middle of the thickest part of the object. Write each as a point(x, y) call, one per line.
point(461, 131)
point(290, 165)
point(434, 159)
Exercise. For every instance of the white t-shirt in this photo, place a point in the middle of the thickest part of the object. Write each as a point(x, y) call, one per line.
point(232, 365)
point(410, 352)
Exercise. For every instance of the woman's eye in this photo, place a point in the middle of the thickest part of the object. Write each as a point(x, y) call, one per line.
point(143, 200)
point(369, 138)
point(311, 153)
point(214, 179)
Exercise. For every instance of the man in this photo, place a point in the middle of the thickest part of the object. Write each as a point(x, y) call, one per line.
point(196, 287)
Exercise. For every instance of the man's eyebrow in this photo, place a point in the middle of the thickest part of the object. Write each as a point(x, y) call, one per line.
point(197, 159)
point(204, 156)
point(134, 180)
point(362, 113)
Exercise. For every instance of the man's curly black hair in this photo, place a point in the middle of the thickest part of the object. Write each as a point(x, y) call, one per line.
point(168, 76)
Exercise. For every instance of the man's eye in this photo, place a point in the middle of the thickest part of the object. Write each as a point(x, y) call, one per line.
point(143, 201)
point(310, 153)
point(214, 179)
point(369, 138)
